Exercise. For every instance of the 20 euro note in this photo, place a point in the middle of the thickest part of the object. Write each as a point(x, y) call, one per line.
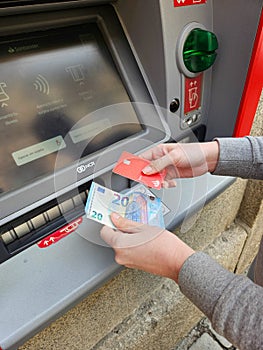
point(132, 205)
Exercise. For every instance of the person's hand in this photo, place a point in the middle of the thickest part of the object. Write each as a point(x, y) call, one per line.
point(148, 248)
point(181, 160)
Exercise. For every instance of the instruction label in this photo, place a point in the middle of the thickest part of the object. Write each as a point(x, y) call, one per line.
point(193, 93)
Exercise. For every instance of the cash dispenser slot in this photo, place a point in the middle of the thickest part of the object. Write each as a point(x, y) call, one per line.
point(30, 228)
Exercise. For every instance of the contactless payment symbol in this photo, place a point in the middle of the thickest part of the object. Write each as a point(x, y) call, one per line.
point(41, 84)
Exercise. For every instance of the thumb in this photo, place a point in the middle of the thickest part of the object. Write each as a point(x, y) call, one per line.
point(158, 164)
point(124, 224)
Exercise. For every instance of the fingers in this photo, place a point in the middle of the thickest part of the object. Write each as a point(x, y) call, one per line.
point(125, 225)
point(109, 235)
point(158, 164)
point(128, 233)
point(153, 153)
point(169, 183)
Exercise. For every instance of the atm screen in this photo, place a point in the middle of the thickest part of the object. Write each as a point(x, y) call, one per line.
point(51, 82)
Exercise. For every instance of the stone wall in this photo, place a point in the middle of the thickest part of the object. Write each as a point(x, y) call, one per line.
point(136, 310)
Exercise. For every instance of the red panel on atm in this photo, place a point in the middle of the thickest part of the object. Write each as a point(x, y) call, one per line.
point(253, 87)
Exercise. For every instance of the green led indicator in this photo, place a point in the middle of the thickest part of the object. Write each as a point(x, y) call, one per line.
point(199, 52)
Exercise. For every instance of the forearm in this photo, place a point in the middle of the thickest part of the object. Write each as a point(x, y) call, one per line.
point(233, 303)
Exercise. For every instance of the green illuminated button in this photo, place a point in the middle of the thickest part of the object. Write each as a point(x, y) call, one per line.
point(199, 52)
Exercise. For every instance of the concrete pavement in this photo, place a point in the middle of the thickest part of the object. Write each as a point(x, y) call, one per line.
point(204, 337)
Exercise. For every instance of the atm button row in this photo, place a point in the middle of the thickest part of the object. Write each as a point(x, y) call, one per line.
point(41, 219)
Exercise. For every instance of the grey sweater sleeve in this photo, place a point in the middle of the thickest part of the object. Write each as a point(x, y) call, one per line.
point(233, 303)
point(240, 157)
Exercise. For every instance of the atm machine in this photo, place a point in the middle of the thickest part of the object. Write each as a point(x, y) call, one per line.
point(81, 81)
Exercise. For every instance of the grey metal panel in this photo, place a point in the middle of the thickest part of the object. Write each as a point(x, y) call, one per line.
point(39, 285)
point(40, 7)
point(154, 28)
point(173, 21)
point(235, 24)
point(190, 196)
point(142, 24)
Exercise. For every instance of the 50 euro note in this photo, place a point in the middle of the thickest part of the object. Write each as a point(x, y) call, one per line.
point(133, 205)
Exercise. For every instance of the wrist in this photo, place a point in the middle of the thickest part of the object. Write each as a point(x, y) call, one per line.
point(178, 252)
point(211, 151)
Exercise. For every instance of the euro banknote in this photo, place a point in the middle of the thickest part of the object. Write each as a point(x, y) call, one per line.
point(133, 205)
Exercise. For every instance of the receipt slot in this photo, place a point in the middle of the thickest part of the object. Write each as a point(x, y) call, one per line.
point(80, 82)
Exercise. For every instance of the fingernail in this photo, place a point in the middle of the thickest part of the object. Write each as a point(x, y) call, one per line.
point(165, 185)
point(147, 170)
point(174, 183)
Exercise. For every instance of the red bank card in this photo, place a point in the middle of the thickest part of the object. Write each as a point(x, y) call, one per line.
point(131, 166)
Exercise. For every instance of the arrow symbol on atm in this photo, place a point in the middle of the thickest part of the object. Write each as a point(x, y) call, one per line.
point(60, 233)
